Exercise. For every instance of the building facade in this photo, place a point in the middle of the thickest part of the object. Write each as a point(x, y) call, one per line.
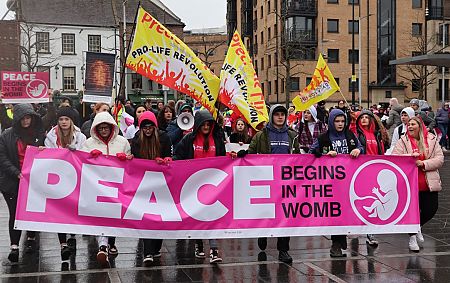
point(9, 46)
point(56, 40)
point(286, 36)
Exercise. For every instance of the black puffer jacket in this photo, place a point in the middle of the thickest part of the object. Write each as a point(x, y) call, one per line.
point(185, 149)
point(164, 142)
point(9, 157)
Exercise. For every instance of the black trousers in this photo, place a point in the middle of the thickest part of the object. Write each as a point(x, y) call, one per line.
point(428, 205)
point(339, 240)
point(282, 244)
point(152, 246)
point(14, 235)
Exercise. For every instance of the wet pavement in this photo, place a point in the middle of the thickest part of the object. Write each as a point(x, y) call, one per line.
point(391, 261)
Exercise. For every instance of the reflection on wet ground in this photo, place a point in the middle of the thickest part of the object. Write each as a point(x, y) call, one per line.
point(391, 261)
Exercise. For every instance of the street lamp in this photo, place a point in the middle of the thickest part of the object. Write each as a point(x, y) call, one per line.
point(353, 81)
point(444, 25)
point(359, 59)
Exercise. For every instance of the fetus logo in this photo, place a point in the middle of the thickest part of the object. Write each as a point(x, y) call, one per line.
point(380, 193)
point(37, 88)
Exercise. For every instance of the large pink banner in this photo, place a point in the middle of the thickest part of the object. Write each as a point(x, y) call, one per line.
point(25, 87)
point(260, 195)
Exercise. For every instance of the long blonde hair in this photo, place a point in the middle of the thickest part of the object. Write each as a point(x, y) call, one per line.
point(65, 141)
point(422, 144)
point(150, 147)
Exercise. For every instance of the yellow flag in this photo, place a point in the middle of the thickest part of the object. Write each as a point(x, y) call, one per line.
point(322, 86)
point(240, 88)
point(161, 56)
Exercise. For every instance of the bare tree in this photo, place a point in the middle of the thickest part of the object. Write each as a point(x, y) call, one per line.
point(207, 49)
point(30, 47)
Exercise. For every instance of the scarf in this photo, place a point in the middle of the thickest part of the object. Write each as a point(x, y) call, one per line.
point(199, 140)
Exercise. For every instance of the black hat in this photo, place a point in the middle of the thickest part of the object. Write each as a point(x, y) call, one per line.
point(66, 111)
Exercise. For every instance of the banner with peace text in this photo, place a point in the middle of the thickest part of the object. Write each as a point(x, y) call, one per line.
point(240, 88)
point(161, 56)
point(322, 86)
point(257, 196)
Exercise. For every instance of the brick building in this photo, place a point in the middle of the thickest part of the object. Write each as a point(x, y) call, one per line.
point(286, 36)
point(9, 46)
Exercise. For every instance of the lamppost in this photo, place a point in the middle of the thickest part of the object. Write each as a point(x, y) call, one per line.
point(353, 82)
point(359, 58)
point(444, 25)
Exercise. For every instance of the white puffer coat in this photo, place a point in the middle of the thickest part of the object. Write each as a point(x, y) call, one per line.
point(116, 144)
point(77, 142)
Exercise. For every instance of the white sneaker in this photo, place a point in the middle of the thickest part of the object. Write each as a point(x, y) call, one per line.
point(420, 239)
point(413, 246)
point(444, 149)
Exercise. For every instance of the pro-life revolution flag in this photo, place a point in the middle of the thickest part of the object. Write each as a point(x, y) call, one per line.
point(322, 86)
point(161, 56)
point(240, 88)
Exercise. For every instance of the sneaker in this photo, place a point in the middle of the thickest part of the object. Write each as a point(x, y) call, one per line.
point(336, 251)
point(262, 243)
point(113, 251)
point(199, 252)
point(420, 239)
point(14, 255)
point(371, 241)
point(284, 257)
point(65, 253)
point(214, 256)
point(413, 246)
point(148, 260)
point(444, 149)
point(157, 255)
point(102, 256)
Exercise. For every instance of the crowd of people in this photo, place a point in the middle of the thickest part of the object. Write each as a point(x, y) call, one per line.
point(156, 135)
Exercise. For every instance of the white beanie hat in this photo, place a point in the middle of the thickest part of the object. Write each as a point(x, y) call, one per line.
point(408, 110)
point(313, 112)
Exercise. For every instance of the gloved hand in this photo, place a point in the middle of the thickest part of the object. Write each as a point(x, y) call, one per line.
point(95, 153)
point(167, 160)
point(233, 155)
point(159, 160)
point(242, 153)
point(122, 156)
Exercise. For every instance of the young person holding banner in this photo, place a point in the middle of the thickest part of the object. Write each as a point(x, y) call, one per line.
point(27, 129)
point(206, 140)
point(337, 140)
point(309, 129)
point(65, 135)
point(105, 140)
point(154, 144)
point(424, 146)
point(276, 138)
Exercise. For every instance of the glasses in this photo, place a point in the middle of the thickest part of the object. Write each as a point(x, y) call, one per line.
point(103, 128)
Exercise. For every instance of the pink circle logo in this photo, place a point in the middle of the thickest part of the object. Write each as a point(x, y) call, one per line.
point(380, 193)
point(37, 88)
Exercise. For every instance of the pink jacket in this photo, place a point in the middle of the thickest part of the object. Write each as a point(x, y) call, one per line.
point(434, 159)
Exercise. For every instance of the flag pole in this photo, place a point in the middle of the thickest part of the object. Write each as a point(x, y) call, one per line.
point(346, 102)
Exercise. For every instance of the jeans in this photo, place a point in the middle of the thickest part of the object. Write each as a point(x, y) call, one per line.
point(444, 129)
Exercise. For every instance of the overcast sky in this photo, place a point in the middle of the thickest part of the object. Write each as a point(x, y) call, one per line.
point(194, 13)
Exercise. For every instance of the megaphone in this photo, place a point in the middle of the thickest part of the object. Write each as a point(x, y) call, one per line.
point(185, 121)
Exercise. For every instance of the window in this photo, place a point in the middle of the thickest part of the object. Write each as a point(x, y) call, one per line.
point(446, 90)
point(416, 4)
point(276, 86)
point(269, 88)
point(443, 32)
point(261, 38)
point(269, 61)
point(416, 29)
point(283, 83)
point(94, 43)
point(43, 42)
point(304, 54)
point(68, 43)
point(337, 80)
point(353, 26)
point(295, 83)
point(333, 1)
point(69, 79)
point(256, 65)
point(150, 85)
point(268, 7)
point(353, 1)
point(333, 55)
point(332, 26)
point(300, 28)
point(211, 52)
point(350, 84)
point(415, 84)
point(262, 88)
point(262, 12)
point(416, 53)
point(308, 80)
point(136, 81)
point(269, 34)
point(388, 93)
point(262, 63)
point(351, 54)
